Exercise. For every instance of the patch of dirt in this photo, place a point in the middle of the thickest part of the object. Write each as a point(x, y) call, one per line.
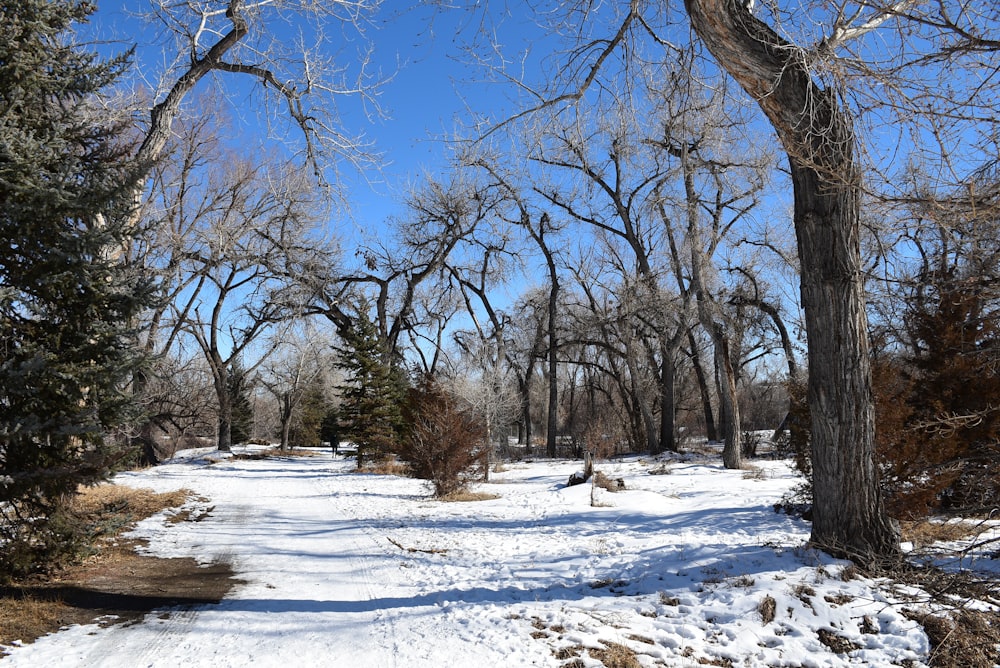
point(116, 585)
point(111, 589)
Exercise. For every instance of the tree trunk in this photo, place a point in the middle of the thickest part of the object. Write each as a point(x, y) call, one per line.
point(285, 402)
point(667, 372)
point(647, 424)
point(553, 413)
point(849, 518)
point(225, 436)
point(711, 433)
point(732, 453)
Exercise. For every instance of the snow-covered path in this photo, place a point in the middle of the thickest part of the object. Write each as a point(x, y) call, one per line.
point(362, 571)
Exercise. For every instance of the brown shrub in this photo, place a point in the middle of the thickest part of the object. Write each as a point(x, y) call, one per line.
point(444, 443)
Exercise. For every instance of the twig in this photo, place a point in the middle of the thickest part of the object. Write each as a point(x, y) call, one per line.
point(416, 549)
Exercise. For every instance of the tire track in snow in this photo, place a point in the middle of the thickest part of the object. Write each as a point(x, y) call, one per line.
point(365, 550)
point(172, 628)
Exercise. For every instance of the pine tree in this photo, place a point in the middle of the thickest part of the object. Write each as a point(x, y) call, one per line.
point(65, 300)
point(242, 408)
point(373, 394)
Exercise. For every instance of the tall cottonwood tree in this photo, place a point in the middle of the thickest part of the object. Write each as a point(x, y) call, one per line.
point(884, 62)
point(66, 346)
point(817, 133)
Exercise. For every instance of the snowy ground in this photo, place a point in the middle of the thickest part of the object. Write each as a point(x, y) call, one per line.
point(358, 570)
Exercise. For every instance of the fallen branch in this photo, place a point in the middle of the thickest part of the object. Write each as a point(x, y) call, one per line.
point(415, 549)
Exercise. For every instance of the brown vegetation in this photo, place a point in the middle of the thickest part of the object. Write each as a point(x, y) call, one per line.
point(445, 444)
point(112, 583)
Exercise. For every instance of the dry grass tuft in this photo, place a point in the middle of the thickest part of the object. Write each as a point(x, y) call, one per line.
point(838, 644)
point(667, 599)
point(465, 495)
point(615, 655)
point(767, 609)
point(391, 466)
point(610, 484)
point(926, 532)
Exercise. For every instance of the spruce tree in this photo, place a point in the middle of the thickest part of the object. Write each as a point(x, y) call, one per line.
point(371, 413)
point(65, 298)
point(238, 386)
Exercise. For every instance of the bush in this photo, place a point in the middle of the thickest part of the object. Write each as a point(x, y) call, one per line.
point(444, 443)
point(938, 429)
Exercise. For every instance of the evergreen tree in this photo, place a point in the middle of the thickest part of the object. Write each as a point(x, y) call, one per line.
point(242, 408)
point(306, 428)
point(65, 301)
point(371, 413)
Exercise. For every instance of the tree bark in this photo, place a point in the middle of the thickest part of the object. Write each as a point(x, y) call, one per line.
point(706, 396)
point(817, 134)
point(552, 420)
point(668, 368)
point(225, 432)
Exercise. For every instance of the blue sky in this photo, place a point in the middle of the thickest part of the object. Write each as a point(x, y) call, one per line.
point(416, 47)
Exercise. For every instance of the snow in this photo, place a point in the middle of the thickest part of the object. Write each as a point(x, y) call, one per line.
point(340, 568)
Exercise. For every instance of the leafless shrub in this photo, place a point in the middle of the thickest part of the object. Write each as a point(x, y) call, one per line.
point(445, 443)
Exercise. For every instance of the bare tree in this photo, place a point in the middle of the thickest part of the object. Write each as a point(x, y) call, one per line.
point(251, 231)
point(481, 380)
point(438, 231)
point(818, 136)
point(540, 228)
point(297, 74)
point(297, 365)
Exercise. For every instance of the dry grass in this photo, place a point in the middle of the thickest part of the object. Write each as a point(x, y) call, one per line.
point(610, 484)
point(465, 495)
point(667, 599)
point(33, 608)
point(389, 466)
point(926, 532)
point(838, 644)
point(28, 617)
point(962, 639)
point(614, 655)
point(767, 609)
point(98, 502)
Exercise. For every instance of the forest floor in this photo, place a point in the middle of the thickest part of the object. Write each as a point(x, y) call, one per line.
point(270, 560)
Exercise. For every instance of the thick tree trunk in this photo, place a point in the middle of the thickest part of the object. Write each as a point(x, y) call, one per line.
point(225, 437)
point(667, 409)
point(285, 402)
point(552, 422)
point(849, 518)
